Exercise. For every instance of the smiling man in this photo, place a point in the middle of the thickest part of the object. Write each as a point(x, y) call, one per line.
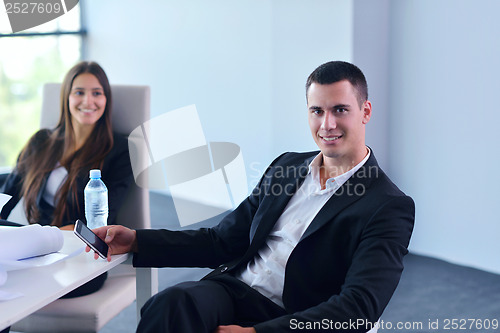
point(337, 118)
point(324, 253)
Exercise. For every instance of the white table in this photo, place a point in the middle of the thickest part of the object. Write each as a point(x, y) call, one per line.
point(42, 285)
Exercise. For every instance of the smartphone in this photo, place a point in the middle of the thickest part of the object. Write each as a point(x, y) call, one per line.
point(91, 239)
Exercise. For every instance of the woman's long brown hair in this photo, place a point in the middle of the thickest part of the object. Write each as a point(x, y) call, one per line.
point(38, 159)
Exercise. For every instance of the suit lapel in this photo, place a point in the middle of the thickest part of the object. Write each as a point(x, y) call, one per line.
point(351, 191)
point(280, 194)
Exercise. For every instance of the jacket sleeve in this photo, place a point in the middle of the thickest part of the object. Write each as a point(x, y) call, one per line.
point(371, 279)
point(206, 247)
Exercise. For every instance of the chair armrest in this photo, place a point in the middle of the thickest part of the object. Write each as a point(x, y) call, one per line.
point(146, 286)
point(146, 281)
point(124, 269)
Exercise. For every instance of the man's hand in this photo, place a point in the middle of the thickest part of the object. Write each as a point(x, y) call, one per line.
point(234, 329)
point(119, 239)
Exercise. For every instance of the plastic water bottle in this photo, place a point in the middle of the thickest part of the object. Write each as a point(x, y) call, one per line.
point(96, 201)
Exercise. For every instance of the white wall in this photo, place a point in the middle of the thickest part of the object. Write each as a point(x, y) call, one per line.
point(444, 138)
point(371, 55)
point(305, 34)
point(243, 63)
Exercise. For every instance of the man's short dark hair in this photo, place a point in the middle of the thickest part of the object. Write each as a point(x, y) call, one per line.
point(335, 71)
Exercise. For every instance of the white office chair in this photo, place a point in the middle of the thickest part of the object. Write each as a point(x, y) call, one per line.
point(91, 312)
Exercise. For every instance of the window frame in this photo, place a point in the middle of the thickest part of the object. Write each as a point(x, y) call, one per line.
point(81, 32)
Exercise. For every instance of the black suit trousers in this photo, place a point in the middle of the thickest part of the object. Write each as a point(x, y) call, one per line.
point(201, 306)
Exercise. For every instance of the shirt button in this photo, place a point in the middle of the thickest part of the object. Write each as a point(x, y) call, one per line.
point(297, 221)
point(268, 272)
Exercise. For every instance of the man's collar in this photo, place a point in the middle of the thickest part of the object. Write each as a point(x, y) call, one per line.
point(317, 162)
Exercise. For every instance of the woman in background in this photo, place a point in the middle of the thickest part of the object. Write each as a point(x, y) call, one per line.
point(53, 168)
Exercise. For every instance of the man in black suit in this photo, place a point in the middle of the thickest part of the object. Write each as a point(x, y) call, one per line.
point(318, 245)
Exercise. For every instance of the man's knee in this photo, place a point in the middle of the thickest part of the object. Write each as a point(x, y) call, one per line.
point(187, 307)
point(170, 298)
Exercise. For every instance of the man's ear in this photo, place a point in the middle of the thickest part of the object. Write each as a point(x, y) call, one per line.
point(367, 111)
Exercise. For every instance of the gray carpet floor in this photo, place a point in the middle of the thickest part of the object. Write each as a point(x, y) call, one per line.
point(432, 296)
point(437, 296)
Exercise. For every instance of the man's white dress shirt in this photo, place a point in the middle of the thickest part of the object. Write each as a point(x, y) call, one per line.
point(266, 272)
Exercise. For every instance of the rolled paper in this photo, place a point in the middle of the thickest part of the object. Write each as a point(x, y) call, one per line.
point(29, 241)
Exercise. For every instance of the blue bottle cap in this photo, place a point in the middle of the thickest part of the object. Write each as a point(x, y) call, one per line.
point(95, 174)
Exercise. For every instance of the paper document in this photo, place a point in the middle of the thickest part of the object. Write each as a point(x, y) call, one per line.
point(29, 241)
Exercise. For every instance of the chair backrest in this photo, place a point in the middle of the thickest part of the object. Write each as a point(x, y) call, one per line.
point(131, 109)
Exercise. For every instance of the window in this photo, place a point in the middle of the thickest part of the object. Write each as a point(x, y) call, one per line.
point(29, 59)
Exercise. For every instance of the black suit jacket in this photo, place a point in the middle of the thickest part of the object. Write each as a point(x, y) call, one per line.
point(116, 174)
point(345, 267)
